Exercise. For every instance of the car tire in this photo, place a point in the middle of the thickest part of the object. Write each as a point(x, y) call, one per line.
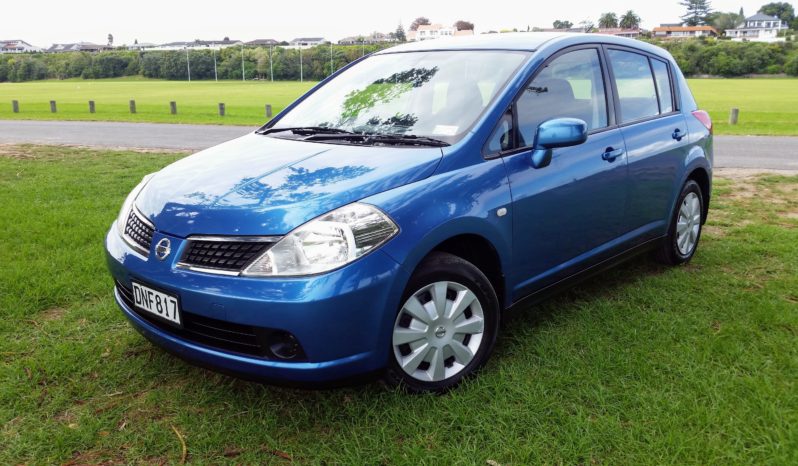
point(434, 351)
point(684, 230)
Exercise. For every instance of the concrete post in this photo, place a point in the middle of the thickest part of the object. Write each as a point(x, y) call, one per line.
point(268, 111)
point(221, 108)
point(734, 116)
point(132, 106)
point(91, 106)
point(15, 106)
point(53, 108)
point(173, 107)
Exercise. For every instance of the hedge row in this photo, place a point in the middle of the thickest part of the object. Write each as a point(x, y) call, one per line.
point(695, 57)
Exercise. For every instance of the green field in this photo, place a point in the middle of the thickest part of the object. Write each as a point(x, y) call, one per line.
point(197, 102)
point(767, 106)
point(644, 365)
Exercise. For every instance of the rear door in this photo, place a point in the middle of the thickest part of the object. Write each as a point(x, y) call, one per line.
point(566, 214)
point(655, 132)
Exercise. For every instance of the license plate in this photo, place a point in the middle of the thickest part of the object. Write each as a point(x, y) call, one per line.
point(158, 303)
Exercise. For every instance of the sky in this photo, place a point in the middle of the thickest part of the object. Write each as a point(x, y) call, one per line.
point(45, 22)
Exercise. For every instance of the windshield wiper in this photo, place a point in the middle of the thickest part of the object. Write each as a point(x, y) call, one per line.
point(304, 130)
point(387, 139)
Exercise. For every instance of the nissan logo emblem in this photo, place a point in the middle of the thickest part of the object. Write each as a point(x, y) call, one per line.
point(163, 248)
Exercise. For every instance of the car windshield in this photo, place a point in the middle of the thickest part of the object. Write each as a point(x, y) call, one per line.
point(435, 95)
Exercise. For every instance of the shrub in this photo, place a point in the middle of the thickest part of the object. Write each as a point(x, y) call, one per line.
point(791, 67)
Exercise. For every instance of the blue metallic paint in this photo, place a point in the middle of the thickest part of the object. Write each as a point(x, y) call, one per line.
point(574, 213)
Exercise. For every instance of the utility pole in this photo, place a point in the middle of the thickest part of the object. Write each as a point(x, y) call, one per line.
point(242, 62)
point(331, 58)
point(188, 65)
point(215, 74)
point(300, 64)
point(271, 65)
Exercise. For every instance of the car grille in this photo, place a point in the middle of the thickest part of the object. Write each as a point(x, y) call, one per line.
point(218, 334)
point(225, 255)
point(138, 231)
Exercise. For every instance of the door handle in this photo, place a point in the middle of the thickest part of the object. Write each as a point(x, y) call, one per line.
point(611, 154)
point(677, 134)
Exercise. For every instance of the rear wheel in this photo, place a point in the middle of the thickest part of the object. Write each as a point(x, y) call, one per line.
point(446, 327)
point(685, 227)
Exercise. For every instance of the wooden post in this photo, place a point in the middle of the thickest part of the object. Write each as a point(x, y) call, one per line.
point(15, 106)
point(132, 106)
point(734, 116)
point(91, 106)
point(173, 107)
point(221, 108)
point(268, 111)
point(53, 108)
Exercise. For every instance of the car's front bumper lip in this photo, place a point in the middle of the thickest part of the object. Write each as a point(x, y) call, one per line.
point(242, 365)
point(342, 319)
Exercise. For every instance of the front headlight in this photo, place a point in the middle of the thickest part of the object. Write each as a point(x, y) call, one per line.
point(326, 243)
point(121, 220)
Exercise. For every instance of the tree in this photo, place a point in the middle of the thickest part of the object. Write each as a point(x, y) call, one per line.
point(697, 12)
point(420, 21)
point(400, 34)
point(724, 21)
point(463, 25)
point(558, 24)
point(630, 20)
point(587, 26)
point(608, 20)
point(782, 10)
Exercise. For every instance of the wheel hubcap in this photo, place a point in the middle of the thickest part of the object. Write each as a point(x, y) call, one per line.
point(438, 331)
point(689, 224)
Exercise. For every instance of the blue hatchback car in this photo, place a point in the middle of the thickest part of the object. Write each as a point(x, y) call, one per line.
point(386, 219)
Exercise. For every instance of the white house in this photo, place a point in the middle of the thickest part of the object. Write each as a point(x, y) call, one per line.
point(17, 46)
point(759, 28)
point(435, 31)
point(669, 31)
point(303, 42)
point(198, 45)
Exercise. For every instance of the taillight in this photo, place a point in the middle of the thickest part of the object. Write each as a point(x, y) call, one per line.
point(704, 118)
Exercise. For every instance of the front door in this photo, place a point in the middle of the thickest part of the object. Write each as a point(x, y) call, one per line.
point(567, 214)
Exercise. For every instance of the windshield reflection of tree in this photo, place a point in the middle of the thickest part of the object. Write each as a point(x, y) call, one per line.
point(383, 91)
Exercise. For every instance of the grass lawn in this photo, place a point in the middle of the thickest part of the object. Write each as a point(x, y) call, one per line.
point(767, 106)
point(197, 102)
point(645, 365)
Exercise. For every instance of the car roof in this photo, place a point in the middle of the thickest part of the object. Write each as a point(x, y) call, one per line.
point(525, 41)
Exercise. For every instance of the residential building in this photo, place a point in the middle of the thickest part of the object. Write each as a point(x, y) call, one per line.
point(668, 32)
point(633, 33)
point(78, 47)
point(759, 28)
point(303, 42)
point(262, 42)
point(17, 46)
point(435, 31)
point(199, 44)
point(373, 38)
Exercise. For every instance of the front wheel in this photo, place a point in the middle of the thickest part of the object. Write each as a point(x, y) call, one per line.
point(685, 227)
point(446, 327)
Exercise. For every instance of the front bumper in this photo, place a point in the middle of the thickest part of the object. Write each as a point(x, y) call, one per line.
point(342, 319)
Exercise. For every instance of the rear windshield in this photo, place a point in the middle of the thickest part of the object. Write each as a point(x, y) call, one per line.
point(437, 94)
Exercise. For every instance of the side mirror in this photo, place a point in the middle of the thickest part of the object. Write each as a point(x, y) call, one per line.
point(559, 132)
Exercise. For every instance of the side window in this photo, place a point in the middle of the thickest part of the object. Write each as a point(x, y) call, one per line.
point(635, 83)
point(663, 85)
point(572, 85)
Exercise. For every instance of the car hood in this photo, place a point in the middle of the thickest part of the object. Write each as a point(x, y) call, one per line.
point(260, 185)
